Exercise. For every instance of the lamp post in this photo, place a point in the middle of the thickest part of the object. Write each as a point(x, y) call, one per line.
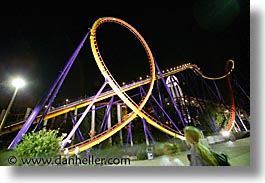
point(17, 83)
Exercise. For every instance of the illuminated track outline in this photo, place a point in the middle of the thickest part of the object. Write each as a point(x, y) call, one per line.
point(115, 128)
point(80, 104)
point(107, 75)
point(136, 108)
point(221, 77)
point(231, 120)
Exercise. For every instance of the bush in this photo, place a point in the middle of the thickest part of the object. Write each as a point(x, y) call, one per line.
point(41, 144)
point(141, 155)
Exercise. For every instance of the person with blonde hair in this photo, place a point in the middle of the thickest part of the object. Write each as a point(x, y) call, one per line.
point(199, 154)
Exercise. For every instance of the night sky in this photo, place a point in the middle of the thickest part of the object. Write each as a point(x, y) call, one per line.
point(36, 43)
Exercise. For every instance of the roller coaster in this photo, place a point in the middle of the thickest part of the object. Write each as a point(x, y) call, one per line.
point(186, 102)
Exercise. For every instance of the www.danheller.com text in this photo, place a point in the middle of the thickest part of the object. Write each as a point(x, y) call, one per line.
point(89, 160)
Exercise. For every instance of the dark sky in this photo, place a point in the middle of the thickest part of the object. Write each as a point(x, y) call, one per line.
point(36, 43)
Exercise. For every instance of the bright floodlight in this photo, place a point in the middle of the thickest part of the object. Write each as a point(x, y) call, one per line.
point(18, 83)
point(225, 133)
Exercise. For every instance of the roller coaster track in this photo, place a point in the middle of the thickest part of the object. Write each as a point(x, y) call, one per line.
point(85, 102)
point(231, 120)
point(137, 109)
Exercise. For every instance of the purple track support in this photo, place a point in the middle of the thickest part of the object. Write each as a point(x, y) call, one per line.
point(174, 103)
point(241, 122)
point(104, 121)
point(79, 133)
point(182, 104)
point(201, 106)
point(164, 112)
point(37, 109)
point(83, 116)
point(214, 126)
point(160, 99)
point(23, 129)
point(147, 132)
point(63, 76)
point(129, 137)
point(209, 88)
point(218, 92)
point(103, 126)
point(156, 113)
point(244, 92)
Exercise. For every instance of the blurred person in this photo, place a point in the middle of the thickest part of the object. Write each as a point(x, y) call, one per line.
point(169, 158)
point(199, 154)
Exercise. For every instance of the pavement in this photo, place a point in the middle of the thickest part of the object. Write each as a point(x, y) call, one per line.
point(238, 152)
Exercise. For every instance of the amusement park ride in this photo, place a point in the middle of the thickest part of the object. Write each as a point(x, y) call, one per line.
point(159, 89)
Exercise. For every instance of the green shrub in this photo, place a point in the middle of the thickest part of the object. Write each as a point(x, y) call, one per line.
point(141, 155)
point(41, 144)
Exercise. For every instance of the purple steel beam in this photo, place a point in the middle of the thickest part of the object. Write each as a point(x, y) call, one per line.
point(241, 123)
point(104, 121)
point(160, 98)
point(213, 125)
point(156, 113)
point(142, 93)
point(79, 133)
point(150, 135)
point(218, 92)
point(243, 91)
point(209, 88)
point(147, 132)
point(194, 95)
point(102, 106)
point(83, 116)
point(37, 109)
point(181, 104)
point(65, 72)
point(174, 103)
point(129, 137)
point(202, 108)
point(164, 112)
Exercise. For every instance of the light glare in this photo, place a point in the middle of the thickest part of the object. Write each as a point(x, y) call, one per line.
point(18, 83)
point(225, 133)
